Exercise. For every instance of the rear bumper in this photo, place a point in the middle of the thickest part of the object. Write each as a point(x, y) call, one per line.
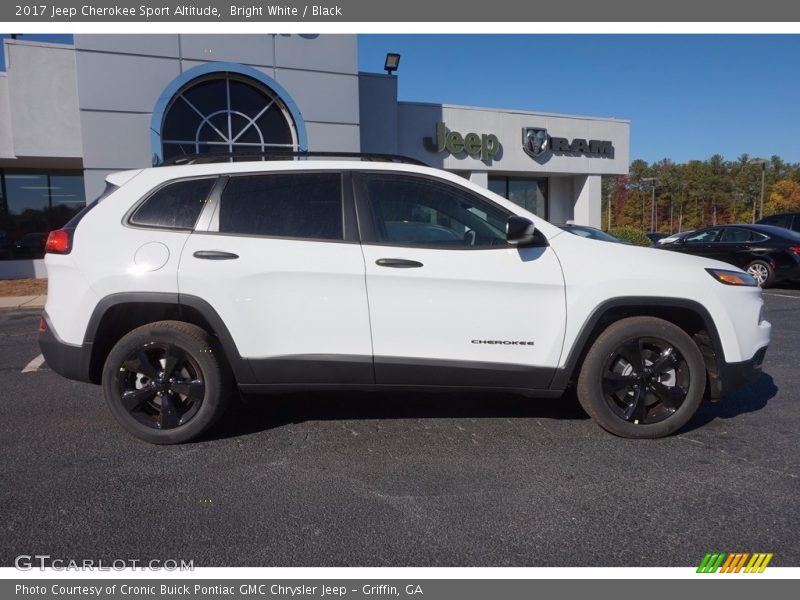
point(65, 359)
point(730, 376)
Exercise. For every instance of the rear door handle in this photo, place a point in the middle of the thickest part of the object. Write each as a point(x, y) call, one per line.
point(215, 255)
point(398, 263)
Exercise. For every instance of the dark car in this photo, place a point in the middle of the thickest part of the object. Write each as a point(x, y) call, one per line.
point(589, 232)
point(786, 220)
point(768, 253)
point(5, 246)
point(655, 236)
point(674, 237)
point(31, 245)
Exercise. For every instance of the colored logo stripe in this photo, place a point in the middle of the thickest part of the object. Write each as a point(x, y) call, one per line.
point(734, 562)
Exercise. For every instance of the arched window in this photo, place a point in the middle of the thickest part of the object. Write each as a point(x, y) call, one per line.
point(226, 113)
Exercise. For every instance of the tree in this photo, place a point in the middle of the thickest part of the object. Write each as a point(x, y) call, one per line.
point(784, 197)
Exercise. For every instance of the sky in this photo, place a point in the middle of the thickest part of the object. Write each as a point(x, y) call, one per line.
point(686, 96)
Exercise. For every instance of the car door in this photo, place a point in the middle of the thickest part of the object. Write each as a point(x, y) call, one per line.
point(700, 243)
point(451, 303)
point(281, 265)
point(735, 246)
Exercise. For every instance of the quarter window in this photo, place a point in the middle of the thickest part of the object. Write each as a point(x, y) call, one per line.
point(174, 206)
point(420, 212)
point(295, 205)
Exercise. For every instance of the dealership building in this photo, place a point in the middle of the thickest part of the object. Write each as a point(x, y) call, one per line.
point(70, 114)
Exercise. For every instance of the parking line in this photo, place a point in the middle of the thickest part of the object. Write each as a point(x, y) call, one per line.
point(782, 296)
point(34, 365)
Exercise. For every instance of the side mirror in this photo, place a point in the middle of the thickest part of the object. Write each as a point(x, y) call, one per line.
point(520, 231)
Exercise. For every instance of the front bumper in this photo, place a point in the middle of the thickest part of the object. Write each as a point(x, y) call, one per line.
point(726, 377)
point(69, 361)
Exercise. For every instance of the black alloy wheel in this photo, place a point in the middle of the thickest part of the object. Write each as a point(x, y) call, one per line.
point(645, 381)
point(643, 377)
point(161, 386)
point(166, 382)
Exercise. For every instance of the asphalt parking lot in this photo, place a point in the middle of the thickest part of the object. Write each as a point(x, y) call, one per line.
point(400, 480)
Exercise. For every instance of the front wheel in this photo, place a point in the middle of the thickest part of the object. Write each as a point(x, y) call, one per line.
point(164, 383)
point(642, 378)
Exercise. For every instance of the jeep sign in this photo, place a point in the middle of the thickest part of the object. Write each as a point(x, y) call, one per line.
point(485, 145)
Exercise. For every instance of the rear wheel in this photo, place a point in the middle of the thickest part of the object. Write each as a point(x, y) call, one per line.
point(762, 272)
point(642, 378)
point(164, 383)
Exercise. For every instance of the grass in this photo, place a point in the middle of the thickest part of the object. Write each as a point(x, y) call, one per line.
point(23, 287)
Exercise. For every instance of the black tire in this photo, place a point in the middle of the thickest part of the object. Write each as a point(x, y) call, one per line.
point(762, 271)
point(164, 382)
point(642, 378)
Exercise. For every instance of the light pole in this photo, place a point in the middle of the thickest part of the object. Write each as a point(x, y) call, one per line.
point(652, 181)
point(763, 163)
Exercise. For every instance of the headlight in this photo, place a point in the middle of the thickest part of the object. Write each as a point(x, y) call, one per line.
point(732, 277)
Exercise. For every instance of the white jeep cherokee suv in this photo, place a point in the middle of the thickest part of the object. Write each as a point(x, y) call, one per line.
point(317, 274)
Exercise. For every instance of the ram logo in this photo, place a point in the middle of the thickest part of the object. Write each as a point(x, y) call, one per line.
point(535, 141)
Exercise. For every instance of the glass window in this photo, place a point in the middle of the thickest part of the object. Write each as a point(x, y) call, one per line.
point(174, 206)
point(530, 194)
point(226, 113)
point(736, 234)
point(776, 220)
point(296, 205)
point(33, 204)
point(703, 237)
point(415, 211)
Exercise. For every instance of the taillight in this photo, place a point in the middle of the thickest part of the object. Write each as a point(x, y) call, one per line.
point(42, 325)
point(795, 250)
point(58, 242)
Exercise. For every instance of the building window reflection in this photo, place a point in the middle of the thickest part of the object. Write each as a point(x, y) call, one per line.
point(33, 203)
point(529, 193)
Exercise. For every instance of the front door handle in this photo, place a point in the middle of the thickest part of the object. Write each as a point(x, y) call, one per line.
point(398, 263)
point(215, 255)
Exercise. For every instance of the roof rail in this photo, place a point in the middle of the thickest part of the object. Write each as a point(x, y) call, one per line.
point(201, 159)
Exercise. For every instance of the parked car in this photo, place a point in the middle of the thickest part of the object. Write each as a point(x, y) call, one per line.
point(589, 232)
point(674, 237)
point(655, 236)
point(335, 274)
point(5, 246)
point(31, 245)
point(768, 253)
point(785, 220)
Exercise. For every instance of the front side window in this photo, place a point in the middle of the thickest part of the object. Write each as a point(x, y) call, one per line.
point(703, 237)
point(419, 212)
point(174, 206)
point(294, 205)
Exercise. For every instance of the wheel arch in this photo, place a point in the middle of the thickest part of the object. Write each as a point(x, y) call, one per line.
point(117, 314)
point(689, 315)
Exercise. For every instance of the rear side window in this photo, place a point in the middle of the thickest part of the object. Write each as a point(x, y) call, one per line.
point(295, 205)
point(174, 206)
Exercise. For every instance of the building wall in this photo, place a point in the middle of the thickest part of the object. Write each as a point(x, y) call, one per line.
point(573, 180)
point(38, 97)
point(120, 79)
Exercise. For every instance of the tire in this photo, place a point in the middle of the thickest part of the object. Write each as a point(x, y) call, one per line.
point(642, 378)
point(164, 382)
point(762, 272)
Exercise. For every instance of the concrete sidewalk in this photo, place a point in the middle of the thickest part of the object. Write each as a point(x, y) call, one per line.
point(23, 301)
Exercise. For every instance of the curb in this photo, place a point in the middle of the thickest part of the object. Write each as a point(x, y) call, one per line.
point(23, 302)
